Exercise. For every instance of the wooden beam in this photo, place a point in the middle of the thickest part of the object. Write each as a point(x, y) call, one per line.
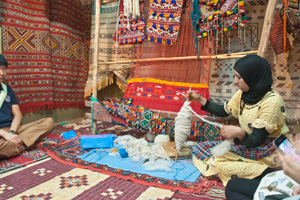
point(265, 34)
point(220, 56)
point(96, 52)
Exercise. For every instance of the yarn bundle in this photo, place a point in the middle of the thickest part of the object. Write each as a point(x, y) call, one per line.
point(183, 124)
point(139, 149)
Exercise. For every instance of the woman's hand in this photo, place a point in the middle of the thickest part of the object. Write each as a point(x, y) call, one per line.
point(291, 168)
point(193, 96)
point(230, 132)
point(296, 190)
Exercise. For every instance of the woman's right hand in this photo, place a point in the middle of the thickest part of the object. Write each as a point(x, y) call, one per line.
point(193, 96)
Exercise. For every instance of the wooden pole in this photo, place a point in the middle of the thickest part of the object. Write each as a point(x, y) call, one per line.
point(220, 56)
point(265, 34)
point(96, 54)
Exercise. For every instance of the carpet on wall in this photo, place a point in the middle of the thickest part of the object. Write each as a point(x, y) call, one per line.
point(46, 47)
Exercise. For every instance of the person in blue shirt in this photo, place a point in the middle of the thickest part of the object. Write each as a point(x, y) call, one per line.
point(15, 137)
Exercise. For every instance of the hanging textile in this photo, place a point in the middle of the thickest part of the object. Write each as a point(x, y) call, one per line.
point(218, 18)
point(163, 95)
point(165, 82)
point(45, 45)
point(131, 25)
point(164, 21)
point(277, 36)
point(292, 12)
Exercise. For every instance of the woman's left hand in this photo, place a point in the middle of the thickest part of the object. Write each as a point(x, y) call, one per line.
point(230, 132)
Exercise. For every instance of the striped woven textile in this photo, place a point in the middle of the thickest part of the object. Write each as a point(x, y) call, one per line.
point(277, 36)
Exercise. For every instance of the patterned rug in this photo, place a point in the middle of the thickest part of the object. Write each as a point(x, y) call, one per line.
point(46, 45)
point(67, 152)
point(163, 95)
point(33, 155)
point(119, 129)
point(49, 179)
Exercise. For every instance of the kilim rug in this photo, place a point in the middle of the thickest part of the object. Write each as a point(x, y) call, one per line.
point(46, 45)
point(67, 152)
point(33, 155)
point(49, 179)
point(163, 95)
point(107, 50)
point(105, 127)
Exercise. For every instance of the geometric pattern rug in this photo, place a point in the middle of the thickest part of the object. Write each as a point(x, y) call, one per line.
point(33, 155)
point(37, 154)
point(67, 151)
point(46, 45)
point(49, 179)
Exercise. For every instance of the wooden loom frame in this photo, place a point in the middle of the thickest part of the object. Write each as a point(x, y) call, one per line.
point(268, 21)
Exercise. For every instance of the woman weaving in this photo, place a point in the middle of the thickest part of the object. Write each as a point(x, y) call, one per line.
point(261, 114)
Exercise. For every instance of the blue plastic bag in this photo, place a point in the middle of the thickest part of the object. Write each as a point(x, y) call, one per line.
point(68, 135)
point(97, 141)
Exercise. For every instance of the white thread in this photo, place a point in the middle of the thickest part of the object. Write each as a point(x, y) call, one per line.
point(183, 124)
point(221, 148)
point(205, 120)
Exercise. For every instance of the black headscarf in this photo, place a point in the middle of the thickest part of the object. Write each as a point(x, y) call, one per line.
point(256, 72)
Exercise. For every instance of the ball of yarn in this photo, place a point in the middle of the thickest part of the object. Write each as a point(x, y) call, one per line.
point(161, 138)
point(150, 136)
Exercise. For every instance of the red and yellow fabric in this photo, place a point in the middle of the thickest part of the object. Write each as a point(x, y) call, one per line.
point(163, 95)
point(135, 33)
point(164, 21)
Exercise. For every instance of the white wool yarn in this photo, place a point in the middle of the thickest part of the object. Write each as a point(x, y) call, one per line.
point(161, 138)
point(221, 148)
point(139, 148)
point(183, 124)
point(150, 136)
